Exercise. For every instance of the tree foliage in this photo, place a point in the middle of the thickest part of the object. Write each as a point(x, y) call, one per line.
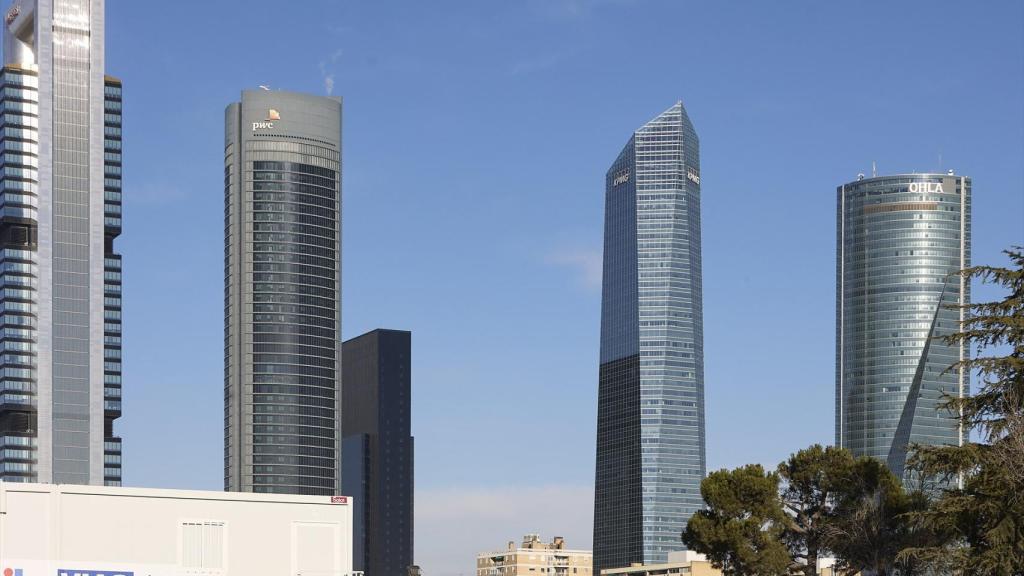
point(983, 511)
point(858, 511)
point(827, 502)
point(871, 525)
point(812, 480)
point(741, 529)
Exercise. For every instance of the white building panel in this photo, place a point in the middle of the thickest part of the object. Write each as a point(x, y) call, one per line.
point(65, 530)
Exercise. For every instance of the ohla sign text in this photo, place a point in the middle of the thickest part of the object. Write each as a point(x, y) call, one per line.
point(926, 187)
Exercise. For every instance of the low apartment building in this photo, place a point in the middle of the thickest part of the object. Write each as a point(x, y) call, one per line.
point(692, 564)
point(536, 558)
point(679, 564)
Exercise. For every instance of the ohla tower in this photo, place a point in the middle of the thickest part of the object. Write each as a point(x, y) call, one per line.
point(901, 242)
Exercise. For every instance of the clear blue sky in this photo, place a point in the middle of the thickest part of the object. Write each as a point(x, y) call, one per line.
point(476, 139)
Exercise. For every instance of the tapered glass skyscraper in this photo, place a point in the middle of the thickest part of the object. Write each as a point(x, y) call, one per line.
point(901, 240)
point(282, 293)
point(61, 213)
point(650, 429)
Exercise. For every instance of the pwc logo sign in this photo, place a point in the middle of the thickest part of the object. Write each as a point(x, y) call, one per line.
point(267, 124)
point(66, 572)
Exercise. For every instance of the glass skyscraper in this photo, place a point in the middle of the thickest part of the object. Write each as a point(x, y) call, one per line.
point(282, 293)
point(61, 213)
point(650, 428)
point(901, 240)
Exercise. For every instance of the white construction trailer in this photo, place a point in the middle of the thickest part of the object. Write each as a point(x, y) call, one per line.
point(66, 530)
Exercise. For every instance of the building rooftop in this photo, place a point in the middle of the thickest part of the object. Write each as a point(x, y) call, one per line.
point(534, 542)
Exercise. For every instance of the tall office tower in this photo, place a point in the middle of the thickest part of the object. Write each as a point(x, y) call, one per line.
point(61, 211)
point(901, 240)
point(650, 422)
point(377, 466)
point(282, 293)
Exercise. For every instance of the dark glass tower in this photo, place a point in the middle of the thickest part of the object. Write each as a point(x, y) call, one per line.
point(650, 427)
point(282, 293)
point(60, 386)
point(901, 240)
point(377, 466)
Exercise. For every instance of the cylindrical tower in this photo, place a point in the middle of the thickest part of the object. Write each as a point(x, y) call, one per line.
point(901, 241)
point(282, 293)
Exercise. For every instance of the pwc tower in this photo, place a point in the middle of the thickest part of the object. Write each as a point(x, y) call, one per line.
point(282, 294)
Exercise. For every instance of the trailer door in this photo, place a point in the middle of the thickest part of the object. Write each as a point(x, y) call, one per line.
point(316, 548)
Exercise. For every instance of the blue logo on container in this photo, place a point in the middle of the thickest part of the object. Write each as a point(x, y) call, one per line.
point(66, 572)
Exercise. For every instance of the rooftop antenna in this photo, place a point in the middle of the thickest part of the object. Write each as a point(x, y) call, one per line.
point(940, 160)
point(262, 87)
point(874, 171)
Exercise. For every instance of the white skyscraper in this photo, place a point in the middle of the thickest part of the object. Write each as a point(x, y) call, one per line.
point(60, 196)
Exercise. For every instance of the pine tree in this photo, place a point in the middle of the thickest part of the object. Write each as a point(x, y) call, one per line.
point(740, 531)
point(982, 514)
point(813, 479)
point(871, 523)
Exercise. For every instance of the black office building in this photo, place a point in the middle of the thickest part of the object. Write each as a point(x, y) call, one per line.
point(377, 449)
